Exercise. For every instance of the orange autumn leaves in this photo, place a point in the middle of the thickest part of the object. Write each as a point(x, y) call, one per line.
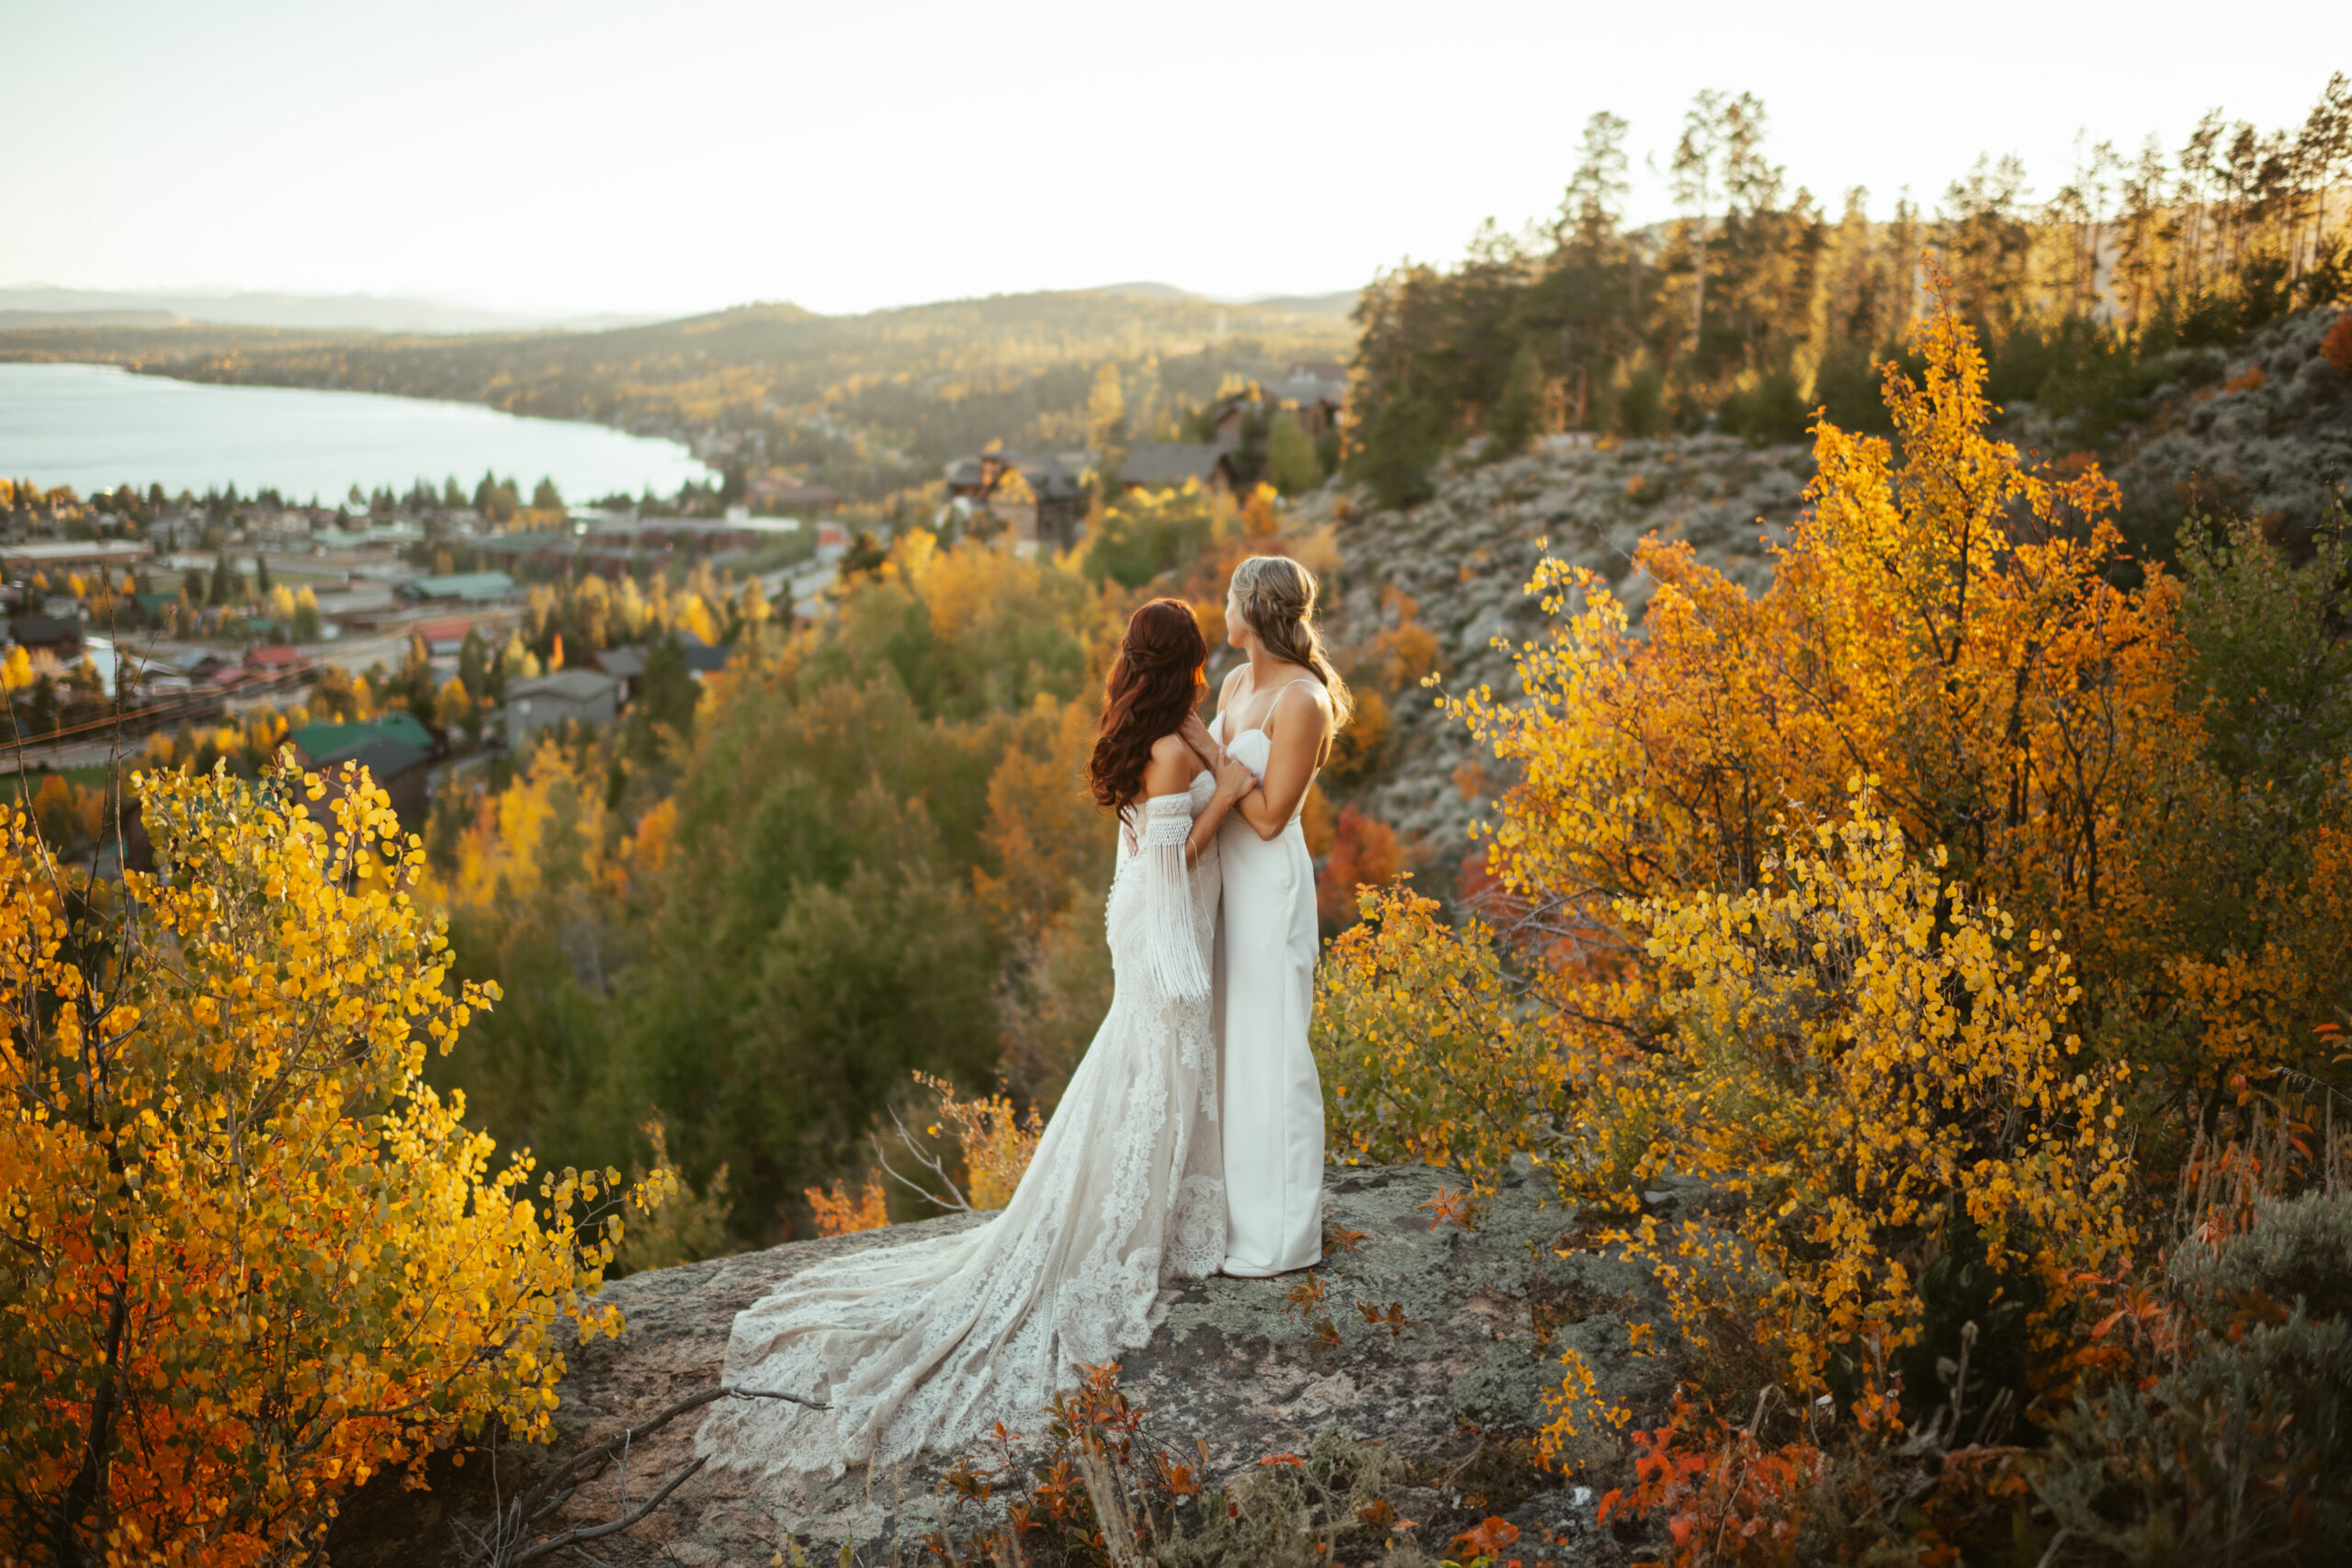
point(1858, 900)
point(251, 1258)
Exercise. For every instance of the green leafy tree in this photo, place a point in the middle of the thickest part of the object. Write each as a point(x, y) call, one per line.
point(1143, 533)
point(1291, 464)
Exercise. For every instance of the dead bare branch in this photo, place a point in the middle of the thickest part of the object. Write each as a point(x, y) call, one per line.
point(507, 1543)
point(955, 1202)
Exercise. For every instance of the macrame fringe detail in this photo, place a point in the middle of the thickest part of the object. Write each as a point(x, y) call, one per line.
point(1177, 966)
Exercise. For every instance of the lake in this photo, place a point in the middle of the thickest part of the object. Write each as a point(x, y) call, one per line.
point(96, 426)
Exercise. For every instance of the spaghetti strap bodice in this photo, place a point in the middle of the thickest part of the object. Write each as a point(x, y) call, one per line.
point(1216, 725)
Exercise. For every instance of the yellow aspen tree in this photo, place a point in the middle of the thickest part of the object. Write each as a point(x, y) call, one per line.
point(250, 1258)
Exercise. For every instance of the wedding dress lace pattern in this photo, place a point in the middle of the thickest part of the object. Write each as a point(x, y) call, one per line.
point(927, 1345)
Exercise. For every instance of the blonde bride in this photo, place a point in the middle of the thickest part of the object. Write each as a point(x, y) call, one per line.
point(1277, 715)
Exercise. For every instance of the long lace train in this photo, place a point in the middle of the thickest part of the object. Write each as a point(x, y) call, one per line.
point(929, 1344)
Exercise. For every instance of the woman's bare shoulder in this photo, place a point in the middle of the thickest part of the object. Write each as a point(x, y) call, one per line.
point(1304, 693)
point(1171, 767)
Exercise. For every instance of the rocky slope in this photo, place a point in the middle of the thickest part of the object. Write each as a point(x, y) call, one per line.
point(2263, 429)
point(1465, 556)
point(1453, 1382)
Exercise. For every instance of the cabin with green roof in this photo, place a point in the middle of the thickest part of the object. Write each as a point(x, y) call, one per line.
point(314, 741)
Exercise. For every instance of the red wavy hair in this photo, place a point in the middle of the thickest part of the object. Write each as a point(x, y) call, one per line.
point(1157, 679)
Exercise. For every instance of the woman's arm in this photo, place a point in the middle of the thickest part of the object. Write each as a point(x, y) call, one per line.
point(1170, 772)
point(1296, 731)
point(1235, 783)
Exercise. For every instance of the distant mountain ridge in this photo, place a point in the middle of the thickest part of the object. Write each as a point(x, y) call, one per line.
point(867, 404)
point(46, 305)
point(1339, 302)
point(38, 306)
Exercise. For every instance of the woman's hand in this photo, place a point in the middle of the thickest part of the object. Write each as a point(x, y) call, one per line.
point(1196, 735)
point(1234, 778)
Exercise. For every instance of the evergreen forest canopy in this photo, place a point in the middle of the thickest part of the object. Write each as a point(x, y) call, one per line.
point(1759, 304)
point(867, 404)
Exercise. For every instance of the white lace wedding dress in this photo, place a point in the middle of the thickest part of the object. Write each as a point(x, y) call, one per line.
point(927, 1345)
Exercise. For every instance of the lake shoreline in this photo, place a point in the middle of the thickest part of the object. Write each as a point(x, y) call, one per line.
point(94, 424)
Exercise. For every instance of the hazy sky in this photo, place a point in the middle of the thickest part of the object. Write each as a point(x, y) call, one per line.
point(690, 153)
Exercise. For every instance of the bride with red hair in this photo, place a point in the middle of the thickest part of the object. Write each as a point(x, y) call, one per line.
point(929, 1344)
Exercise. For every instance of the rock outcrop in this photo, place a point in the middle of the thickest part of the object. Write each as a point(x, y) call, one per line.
point(2263, 429)
point(1465, 556)
point(1452, 1379)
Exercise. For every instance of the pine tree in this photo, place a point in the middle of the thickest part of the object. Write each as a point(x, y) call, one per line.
point(228, 583)
point(473, 664)
point(1517, 413)
point(1404, 437)
point(1698, 160)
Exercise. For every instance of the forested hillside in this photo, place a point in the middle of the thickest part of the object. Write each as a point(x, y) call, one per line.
point(866, 404)
point(2137, 274)
point(756, 910)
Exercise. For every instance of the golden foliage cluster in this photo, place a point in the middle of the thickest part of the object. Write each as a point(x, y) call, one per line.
point(997, 1141)
point(1858, 904)
point(1426, 1052)
point(1860, 1053)
point(839, 1212)
point(251, 1258)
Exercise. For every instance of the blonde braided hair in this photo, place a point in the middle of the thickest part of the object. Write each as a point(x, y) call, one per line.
point(1276, 596)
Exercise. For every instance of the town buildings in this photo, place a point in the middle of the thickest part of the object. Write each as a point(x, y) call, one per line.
point(1172, 465)
point(587, 698)
point(1037, 500)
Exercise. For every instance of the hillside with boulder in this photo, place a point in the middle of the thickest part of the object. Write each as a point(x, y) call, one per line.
point(1450, 1383)
point(1464, 558)
point(2264, 431)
